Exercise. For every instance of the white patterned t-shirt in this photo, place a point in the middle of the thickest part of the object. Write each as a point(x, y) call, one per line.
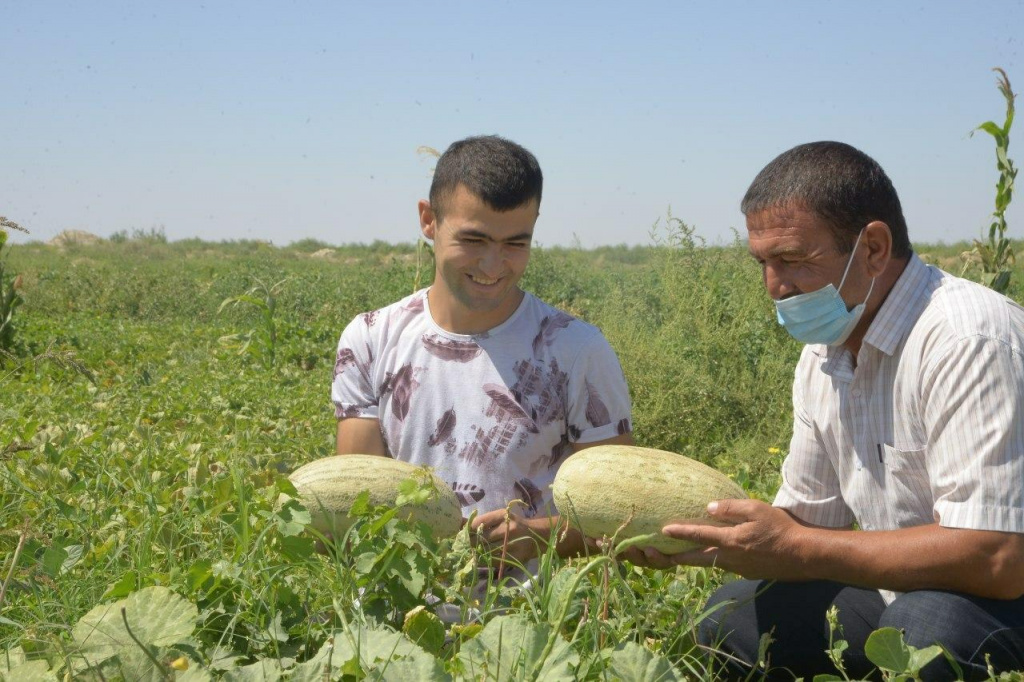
point(493, 414)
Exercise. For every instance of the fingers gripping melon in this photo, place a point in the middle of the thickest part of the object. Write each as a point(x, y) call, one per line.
point(330, 485)
point(600, 489)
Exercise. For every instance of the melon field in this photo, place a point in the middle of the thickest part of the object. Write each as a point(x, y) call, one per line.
point(157, 394)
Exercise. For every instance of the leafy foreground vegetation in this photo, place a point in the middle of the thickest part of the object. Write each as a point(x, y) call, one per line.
point(146, 430)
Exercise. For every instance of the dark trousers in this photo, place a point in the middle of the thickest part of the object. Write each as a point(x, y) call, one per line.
point(794, 614)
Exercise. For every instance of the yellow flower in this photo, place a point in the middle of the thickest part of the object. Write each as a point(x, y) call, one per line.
point(180, 663)
point(774, 451)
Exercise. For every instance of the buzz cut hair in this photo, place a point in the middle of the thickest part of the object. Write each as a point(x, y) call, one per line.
point(838, 183)
point(503, 174)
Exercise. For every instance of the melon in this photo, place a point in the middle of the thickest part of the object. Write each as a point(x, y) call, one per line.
point(329, 486)
point(601, 489)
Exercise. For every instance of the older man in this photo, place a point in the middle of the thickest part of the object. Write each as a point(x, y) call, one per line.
point(902, 501)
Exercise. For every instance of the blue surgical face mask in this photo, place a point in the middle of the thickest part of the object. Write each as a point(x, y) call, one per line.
point(821, 316)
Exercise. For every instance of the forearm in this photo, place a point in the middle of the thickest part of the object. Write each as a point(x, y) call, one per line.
point(571, 542)
point(983, 563)
point(360, 436)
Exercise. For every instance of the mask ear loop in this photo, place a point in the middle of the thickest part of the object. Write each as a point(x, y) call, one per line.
point(850, 262)
point(870, 289)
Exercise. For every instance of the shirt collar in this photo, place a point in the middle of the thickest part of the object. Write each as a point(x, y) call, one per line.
point(901, 308)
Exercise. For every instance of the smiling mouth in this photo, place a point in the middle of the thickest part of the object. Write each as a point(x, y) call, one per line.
point(485, 282)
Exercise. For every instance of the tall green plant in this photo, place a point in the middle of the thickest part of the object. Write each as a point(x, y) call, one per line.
point(10, 284)
point(259, 341)
point(995, 257)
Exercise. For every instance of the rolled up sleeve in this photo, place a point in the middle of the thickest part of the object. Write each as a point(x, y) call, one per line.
point(974, 414)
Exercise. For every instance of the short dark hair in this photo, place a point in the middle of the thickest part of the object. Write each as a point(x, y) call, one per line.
point(502, 173)
point(839, 183)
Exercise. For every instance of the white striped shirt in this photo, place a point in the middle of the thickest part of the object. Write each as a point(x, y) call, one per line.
point(929, 425)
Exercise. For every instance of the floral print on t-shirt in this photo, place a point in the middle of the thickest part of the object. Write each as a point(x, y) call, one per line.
point(494, 414)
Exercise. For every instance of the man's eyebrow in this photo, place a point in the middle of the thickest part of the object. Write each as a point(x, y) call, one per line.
point(479, 234)
point(777, 252)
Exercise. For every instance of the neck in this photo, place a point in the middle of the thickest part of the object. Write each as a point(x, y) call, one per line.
point(883, 285)
point(453, 316)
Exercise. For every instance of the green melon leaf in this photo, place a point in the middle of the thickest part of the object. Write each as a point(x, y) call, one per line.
point(30, 671)
point(135, 665)
point(424, 628)
point(919, 658)
point(560, 592)
point(266, 670)
point(123, 587)
point(886, 649)
point(11, 658)
point(407, 669)
point(363, 649)
point(15, 667)
point(510, 647)
point(631, 662)
point(53, 560)
point(292, 518)
point(156, 615)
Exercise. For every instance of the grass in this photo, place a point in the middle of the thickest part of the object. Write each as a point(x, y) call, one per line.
point(138, 452)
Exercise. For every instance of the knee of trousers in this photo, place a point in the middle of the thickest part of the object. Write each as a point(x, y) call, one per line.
point(929, 617)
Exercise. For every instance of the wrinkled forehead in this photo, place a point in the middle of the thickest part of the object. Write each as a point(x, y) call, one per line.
point(788, 228)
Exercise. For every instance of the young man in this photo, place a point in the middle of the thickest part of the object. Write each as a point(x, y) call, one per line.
point(474, 377)
point(908, 422)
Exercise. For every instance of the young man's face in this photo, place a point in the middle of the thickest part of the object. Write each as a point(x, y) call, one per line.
point(798, 255)
point(481, 254)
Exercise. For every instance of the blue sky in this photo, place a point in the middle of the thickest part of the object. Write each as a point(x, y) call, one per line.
point(285, 120)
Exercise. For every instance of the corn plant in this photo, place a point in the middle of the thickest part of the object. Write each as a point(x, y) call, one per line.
point(259, 341)
point(995, 257)
point(10, 285)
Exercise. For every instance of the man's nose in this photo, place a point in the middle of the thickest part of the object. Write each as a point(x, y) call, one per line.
point(776, 283)
point(491, 260)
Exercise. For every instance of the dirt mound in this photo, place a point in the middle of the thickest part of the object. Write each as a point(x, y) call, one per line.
point(74, 237)
point(322, 253)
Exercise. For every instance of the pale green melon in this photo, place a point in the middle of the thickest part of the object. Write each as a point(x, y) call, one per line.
point(600, 489)
point(330, 485)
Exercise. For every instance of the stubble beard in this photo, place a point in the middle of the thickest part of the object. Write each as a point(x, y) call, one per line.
point(460, 291)
point(480, 304)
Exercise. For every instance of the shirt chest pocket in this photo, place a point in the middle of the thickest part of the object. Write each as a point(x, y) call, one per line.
point(907, 490)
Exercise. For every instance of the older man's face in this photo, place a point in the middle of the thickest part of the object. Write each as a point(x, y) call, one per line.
point(798, 255)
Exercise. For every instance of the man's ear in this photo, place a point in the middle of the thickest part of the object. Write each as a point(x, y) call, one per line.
point(878, 239)
point(428, 221)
